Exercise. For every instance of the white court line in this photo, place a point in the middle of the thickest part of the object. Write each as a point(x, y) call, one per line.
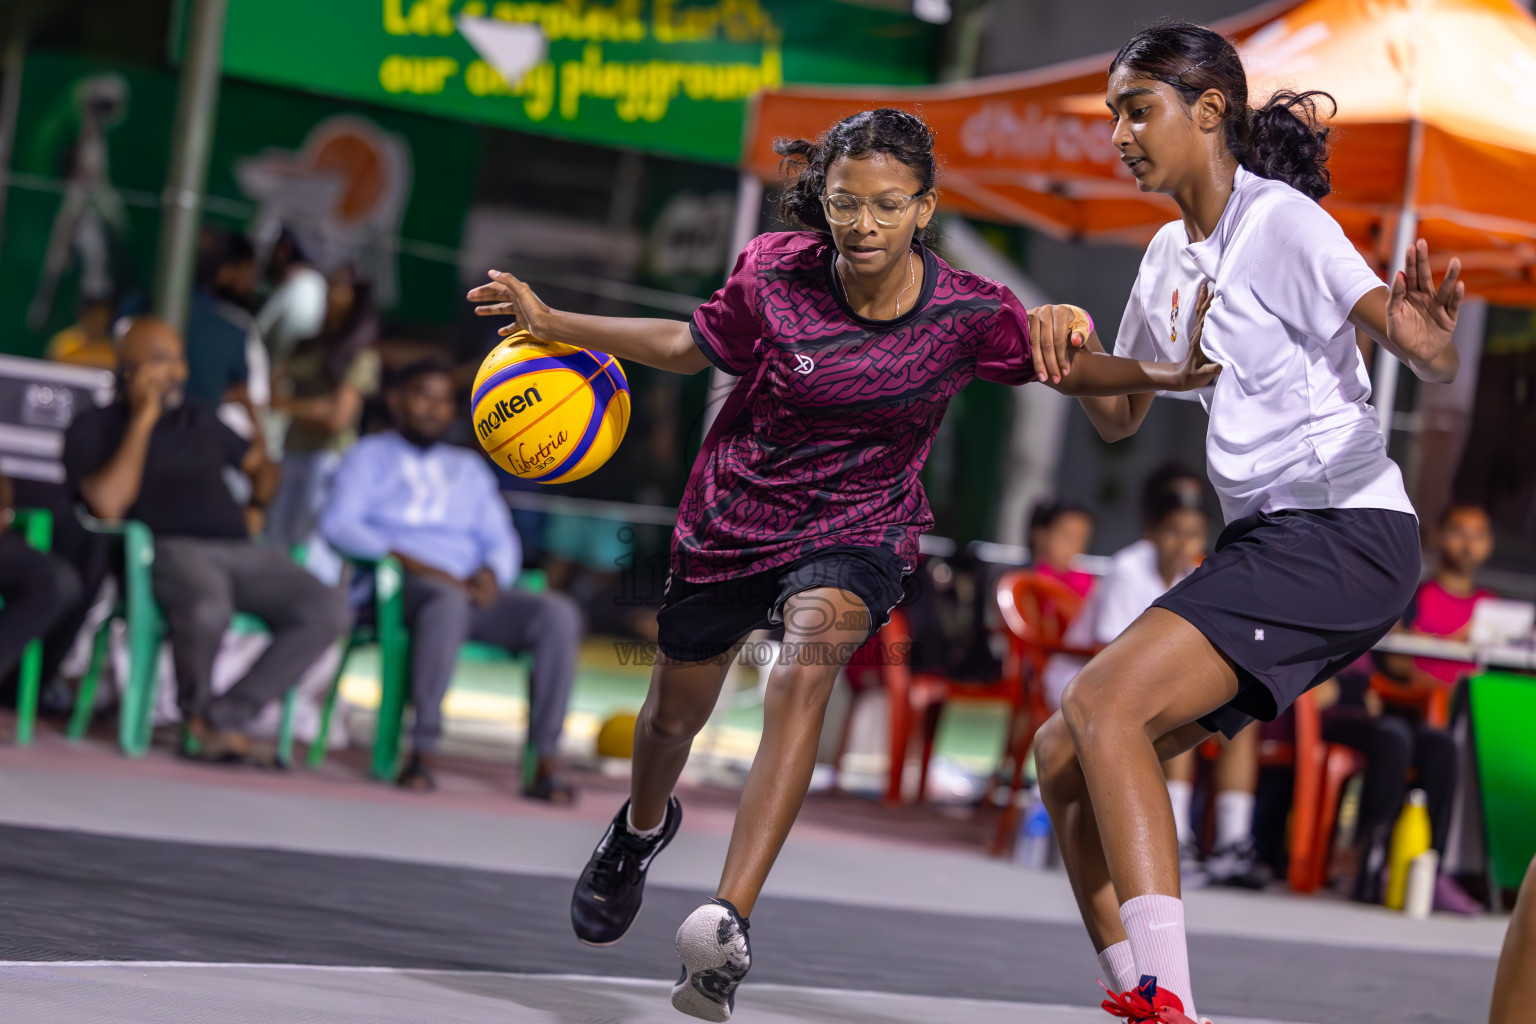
point(579, 979)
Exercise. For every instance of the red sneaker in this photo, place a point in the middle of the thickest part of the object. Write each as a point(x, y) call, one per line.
point(1147, 1004)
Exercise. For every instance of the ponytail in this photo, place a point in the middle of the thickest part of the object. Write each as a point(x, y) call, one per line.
point(1285, 141)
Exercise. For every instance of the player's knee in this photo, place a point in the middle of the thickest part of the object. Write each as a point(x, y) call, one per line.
point(673, 725)
point(1056, 760)
point(805, 687)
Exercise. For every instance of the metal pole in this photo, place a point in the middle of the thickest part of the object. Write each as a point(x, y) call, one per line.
point(10, 102)
point(190, 142)
point(749, 212)
point(1384, 386)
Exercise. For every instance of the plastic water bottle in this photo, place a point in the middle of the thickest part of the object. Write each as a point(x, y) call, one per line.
point(1035, 836)
point(1410, 837)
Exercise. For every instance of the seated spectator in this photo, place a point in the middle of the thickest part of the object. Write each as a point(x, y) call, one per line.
point(159, 457)
point(1173, 511)
point(39, 589)
point(1059, 532)
point(436, 508)
point(322, 387)
point(1396, 737)
point(1444, 603)
point(1393, 741)
point(88, 341)
point(219, 320)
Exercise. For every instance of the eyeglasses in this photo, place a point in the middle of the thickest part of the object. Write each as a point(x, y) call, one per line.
point(887, 208)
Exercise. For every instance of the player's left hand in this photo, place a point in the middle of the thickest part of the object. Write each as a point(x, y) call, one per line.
point(1420, 317)
point(1056, 334)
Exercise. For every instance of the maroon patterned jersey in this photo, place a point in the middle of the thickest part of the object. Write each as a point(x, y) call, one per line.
point(831, 417)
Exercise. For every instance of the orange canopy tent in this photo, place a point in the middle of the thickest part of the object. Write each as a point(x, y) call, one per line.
point(1436, 121)
point(1435, 135)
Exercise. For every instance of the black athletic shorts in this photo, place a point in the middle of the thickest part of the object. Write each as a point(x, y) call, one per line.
point(1292, 597)
point(702, 621)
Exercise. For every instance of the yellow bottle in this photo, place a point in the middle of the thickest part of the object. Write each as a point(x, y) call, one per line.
point(1410, 837)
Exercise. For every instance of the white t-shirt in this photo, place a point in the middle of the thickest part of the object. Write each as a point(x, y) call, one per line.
point(1291, 425)
point(1117, 598)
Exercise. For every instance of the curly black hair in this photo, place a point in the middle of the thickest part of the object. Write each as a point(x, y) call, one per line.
point(896, 133)
point(1282, 140)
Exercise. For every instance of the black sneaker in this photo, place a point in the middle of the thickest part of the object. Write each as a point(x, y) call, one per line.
point(611, 887)
point(716, 954)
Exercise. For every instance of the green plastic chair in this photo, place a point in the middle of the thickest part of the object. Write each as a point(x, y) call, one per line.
point(137, 608)
point(388, 631)
point(36, 527)
point(1503, 708)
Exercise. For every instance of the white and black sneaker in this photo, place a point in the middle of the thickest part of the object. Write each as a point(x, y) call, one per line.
point(716, 954)
point(611, 887)
point(1238, 865)
point(1192, 871)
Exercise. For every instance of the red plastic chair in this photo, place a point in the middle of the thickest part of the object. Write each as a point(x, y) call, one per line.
point(914, 698)
point(1036, 611)
point(1420, 692)
point(1322, 769)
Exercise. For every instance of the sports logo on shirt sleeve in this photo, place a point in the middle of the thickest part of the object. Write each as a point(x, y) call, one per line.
point(804, 363)
point(1173, 319)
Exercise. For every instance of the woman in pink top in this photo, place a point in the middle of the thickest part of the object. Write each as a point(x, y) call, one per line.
point(1444, 604)
point(847, 341)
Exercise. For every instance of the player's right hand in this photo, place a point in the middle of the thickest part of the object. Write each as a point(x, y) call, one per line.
point(505, 295)
point(1056, 334)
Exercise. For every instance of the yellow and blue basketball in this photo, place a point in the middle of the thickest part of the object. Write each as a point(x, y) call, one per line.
point(548, 412)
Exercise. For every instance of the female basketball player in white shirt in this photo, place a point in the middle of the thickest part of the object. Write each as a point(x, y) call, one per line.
point(1321, 550)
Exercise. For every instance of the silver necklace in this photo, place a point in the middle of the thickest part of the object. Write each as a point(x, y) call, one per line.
point(842, 281)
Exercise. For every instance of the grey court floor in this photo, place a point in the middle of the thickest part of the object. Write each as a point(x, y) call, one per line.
point(158, 892)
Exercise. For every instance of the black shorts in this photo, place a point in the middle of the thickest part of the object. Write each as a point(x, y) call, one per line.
point(701, 621)
point(1292, 597)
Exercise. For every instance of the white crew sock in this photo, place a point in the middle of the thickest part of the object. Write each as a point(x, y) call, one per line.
point(643, 833)
point(1119, 967)
point(1182, 796)
point(1155, 927)
point(1234, 817)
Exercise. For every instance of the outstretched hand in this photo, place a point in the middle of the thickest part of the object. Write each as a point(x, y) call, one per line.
point(505, 295)
point(1421, 318)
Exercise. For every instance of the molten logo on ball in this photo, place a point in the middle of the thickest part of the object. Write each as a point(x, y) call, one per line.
point(549, 412)
point(504, 410)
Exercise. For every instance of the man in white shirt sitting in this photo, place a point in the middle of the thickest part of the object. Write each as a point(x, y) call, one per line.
point(437, 509)
point(1173, 509)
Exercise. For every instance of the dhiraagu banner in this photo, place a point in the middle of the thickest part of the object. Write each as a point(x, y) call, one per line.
point(667, 76)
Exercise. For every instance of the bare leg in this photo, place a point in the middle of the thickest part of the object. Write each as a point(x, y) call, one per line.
point(1162, 673)
point(822, 629)
point(1065, 792)
point(1514, 987)
point(678, 704)
point(1238, 766)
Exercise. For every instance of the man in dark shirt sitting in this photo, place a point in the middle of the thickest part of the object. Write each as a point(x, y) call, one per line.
point(159, 457)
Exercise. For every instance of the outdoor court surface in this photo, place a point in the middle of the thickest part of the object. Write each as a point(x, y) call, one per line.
point(158, 891)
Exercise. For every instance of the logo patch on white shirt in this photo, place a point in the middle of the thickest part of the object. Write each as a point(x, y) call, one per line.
point(1258, 634)
point(804, 364)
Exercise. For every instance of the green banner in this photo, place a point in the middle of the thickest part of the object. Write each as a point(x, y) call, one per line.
point(92, 146)
point(666, 76)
